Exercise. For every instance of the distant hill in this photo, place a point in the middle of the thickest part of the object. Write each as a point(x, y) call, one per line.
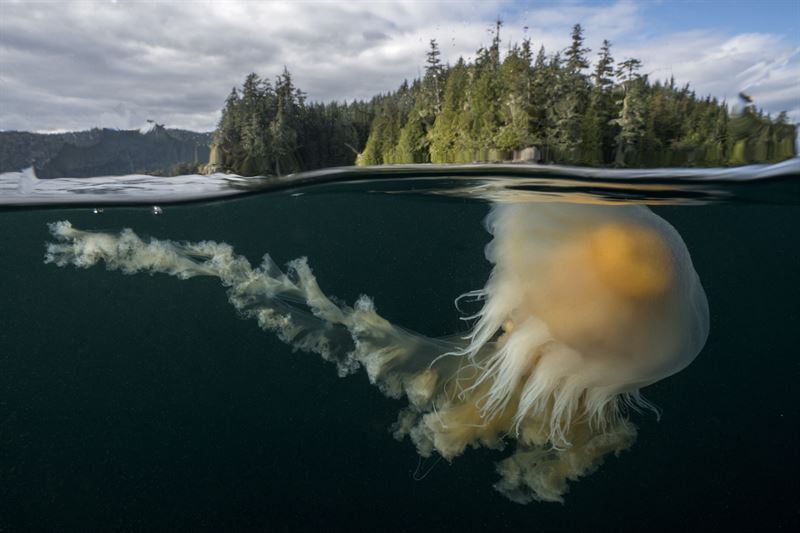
point(103, 152)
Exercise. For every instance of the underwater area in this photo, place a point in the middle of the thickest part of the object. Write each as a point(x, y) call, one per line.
point(147, 402)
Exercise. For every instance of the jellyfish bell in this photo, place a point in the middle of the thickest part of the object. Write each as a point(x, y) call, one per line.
point(585, 305)
point(613, 283)
point(593, 303)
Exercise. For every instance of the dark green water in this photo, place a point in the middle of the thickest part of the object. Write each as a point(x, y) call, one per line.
point(143, 402)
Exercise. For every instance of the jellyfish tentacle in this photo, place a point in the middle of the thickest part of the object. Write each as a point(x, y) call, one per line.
point(290, 304)
point(471, 296)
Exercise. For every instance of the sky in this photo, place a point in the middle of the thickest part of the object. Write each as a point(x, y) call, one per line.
point(76, 65)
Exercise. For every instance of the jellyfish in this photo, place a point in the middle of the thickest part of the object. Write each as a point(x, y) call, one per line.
point(585, 306)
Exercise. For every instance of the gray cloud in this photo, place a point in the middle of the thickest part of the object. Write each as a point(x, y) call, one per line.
point(67, 66)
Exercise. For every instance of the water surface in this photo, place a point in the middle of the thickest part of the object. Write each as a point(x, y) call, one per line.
point(141, 402)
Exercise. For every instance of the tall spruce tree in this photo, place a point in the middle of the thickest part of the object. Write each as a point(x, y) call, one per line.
point(515, 79)
point(599, 132)
point(434, 77)
point(446, 139)
point(575, 55)
point(631, 121)
point(284, 124)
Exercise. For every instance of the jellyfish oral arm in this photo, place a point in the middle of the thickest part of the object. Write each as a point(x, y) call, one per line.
point(290, 304)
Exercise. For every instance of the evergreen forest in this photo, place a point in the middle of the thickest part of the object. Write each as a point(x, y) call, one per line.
point(547, 107)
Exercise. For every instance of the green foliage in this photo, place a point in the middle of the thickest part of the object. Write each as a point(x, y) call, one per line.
point(631, 121)
point(487, 109)
point(514, 119)
point(271, 130)
point(575, 55)
point(412, 145)
point(604, 69)
point(446, 140)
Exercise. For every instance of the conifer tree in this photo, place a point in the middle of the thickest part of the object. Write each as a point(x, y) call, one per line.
point(575, 55)
point(515, 79)
point(445, 136)
point(541, 79)
point(599, 132)
point(604, 69)
point(227, 138)
point(283, 127)
point(434, 77)
point(631, 121)
point(627, 71)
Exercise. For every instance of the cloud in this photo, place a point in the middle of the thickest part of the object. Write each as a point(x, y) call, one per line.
point(115, 64)
point(765, 66)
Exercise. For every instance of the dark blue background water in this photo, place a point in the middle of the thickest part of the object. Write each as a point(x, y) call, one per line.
point(142, 402)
